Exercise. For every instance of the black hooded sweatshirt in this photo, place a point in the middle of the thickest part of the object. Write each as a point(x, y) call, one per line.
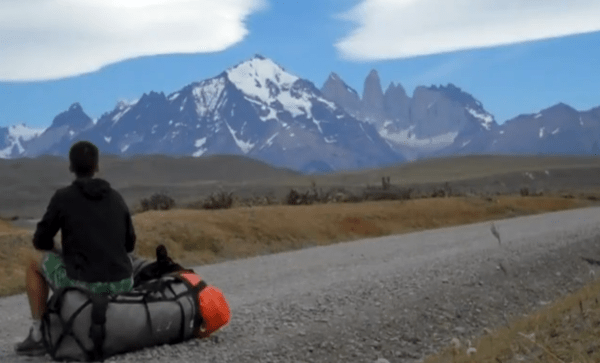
point(96, 227)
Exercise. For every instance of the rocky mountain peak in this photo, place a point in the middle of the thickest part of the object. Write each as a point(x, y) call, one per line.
point(336, 90)
point(75, 118)
point(397, 105)
point(396, 90)
point(261, 78)
point(456, 94)
point(560, 107)
point(559, 114)
point(333, 77)
point(372, 87)
point(373, 74)
point(151, 97)
point(76, 107)
point(334, 81)
point(259, 67)
point(373, 109)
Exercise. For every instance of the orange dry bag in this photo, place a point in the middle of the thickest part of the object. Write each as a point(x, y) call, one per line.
point(213, 309)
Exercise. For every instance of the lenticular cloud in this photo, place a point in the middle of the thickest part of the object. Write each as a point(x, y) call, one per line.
point(390, 29)
point(50, 39)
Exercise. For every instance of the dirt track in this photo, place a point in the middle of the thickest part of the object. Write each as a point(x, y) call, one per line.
point(399, 297)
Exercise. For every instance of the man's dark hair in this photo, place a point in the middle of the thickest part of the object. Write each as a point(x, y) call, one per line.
point(84, 158)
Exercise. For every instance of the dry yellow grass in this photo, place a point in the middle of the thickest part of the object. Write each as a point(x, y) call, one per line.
point(15, 251)
point(565, 331)
point(201, 236)
point(8, 229)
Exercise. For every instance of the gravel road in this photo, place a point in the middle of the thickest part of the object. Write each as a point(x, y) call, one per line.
point(398, 297)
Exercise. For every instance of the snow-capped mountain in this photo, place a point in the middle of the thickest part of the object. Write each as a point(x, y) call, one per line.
point(14, 139)
point(433, 119)
point(61, 133)
point(255, 108)
point(337, 90)
point(559, 129)
point(443, 121)
point(260, 110)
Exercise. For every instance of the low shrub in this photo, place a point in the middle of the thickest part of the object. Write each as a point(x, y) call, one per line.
point(296, 198)
point(393, 194)
point(259, 201)
point(158, 201)
point(442, 191)
point(10, 219)
point(220, 200)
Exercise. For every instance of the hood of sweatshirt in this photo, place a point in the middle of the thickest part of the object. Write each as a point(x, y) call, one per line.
point(95, 189)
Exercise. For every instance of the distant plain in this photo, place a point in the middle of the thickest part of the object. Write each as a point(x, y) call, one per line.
point(26, 185)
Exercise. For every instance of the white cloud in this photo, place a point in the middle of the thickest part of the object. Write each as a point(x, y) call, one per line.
point(49, 39)
point(390, 29)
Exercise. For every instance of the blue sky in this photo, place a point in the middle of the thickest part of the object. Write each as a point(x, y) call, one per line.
point(517, 58)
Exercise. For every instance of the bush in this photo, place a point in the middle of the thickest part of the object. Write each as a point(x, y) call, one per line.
point(333, 195)
point(524, 192)
point(352, 198)
point(296, 198)
point(395, 194)
point(221, 200)
point(259, 201)
point(438, 193)
point(158, 201)
point(340, 195)
point(442, 192)
point(10, 219)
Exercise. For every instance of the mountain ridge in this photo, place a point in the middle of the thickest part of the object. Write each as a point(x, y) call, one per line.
point(258, 109)
point(254, 108)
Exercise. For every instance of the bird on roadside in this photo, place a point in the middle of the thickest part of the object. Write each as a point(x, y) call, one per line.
point(471, 350)
point(495, 233)
point(501, 267)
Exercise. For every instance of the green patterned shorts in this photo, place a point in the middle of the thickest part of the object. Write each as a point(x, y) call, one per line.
point(55, 273)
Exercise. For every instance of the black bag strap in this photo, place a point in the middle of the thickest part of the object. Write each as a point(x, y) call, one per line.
point(148, 316)
point(195, 291)
point(67, 326)
point(181, 337)
point(98, 328)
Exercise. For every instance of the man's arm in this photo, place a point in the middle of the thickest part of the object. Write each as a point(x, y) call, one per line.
point(43, 239)
point(130, 233)
point(129, 230)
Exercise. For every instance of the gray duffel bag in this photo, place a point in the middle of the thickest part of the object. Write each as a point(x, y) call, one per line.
point(80, 326)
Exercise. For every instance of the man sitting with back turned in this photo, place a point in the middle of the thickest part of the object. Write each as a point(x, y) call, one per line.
point(97, 235)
